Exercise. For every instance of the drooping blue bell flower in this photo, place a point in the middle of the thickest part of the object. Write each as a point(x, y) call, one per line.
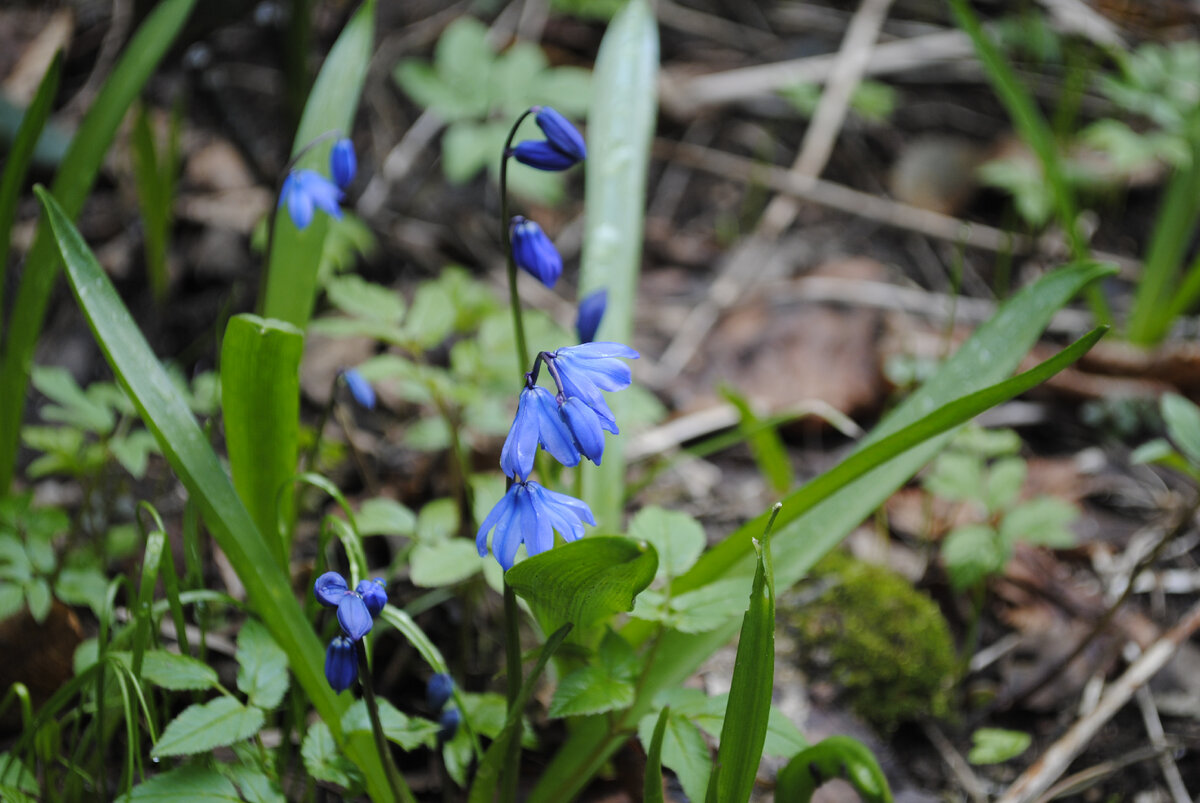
point(560, 133)
point(438, 690)
point(591, 313)
point(373, 593)
point(343, 164)
point(585, 428)
point(341, 663)
point(533, 252)
point(360, 388)
point(449, 722)
point(354, 617)
point(589, 368)
point(538, 422)
point(541, 155)
point(307, 190)
point(531, 514)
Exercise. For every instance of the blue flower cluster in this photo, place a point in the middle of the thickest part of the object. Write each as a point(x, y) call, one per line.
point(305, 191)
point(438, 692)
point(570, 425)
point(356, 612)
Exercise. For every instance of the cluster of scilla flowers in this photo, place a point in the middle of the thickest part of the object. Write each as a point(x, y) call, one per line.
point(570, 422)
point(306, 190)
point(356, 612)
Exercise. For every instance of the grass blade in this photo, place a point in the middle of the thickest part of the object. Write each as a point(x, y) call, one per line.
point(71, 186)
point(652, 785)
point(620, 129)
point(187, 450)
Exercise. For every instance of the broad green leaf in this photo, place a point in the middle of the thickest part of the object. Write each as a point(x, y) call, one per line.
point(260, 399)
point(431, 319)
point(1183, 425)
point(254, 784)
point(1044, 520)
point(437, 520)
point(133, 451)
point(972, 552)
point(1004, 480)
point(699, 611)
point(355, 296)
point(295, 257)
point(75, 407)
point(443, 563)
point(676, 537)
point(587, 580)
point(408, 732)
point(72, 183)
point(190, 782)
point(170, 670)
point(996, 745)
point(203, 726)
point(746, 715)
point(621, 123)
point(37, 597)
point(683, 750)
point(262, 667)
point(604, 684)
point(652, 782)
point(834, 757)
point(957, 477)
point(187, 449)
point(383, 516)
point(817, 516)
point(82, 586)
point(324, 761)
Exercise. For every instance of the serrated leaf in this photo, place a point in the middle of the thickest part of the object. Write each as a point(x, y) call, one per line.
point(677, 537)
point(587, 580)
point(203, 726)
point(604, 685)
point(996, 745)
point(443, 563)
point(683, 750)
point(262, 666)
point(254, 784)
point(1044, 520)
point(357, 297)
point(383, 516)
point(324, 761)
point(74, 406)
point(170, 670)
point(971, 553)
point(190, 782)
point(408, 732)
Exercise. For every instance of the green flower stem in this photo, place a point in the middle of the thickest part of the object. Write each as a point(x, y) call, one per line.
point(512, 653)
point(310, 459)
point(400, 789)
point(506, 238)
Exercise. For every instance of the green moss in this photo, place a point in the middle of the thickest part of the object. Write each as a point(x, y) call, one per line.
point(885, 644)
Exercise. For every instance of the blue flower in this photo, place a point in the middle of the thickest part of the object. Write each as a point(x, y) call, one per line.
point(585, 428)
point(439, 690)
point(531, 514)
point(533, 252)
point(373, 593)
point(342, 163)
point(360, 388)
point(341, 663)
point(559, 131)
point(306, 190)
point(591, 312)
point(449, 721)
point(589, 368)
point(540, 154)
point(332, 591)
point(538, 421)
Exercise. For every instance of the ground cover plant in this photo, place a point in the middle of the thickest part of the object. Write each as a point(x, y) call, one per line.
point(411, 403)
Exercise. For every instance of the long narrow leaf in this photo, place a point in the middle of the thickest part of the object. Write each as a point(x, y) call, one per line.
point(20, 156)
point(295, 255)
point(71, 186)
point(620, 129)
point(652, 785)
point(990, 354)
point(187, 450)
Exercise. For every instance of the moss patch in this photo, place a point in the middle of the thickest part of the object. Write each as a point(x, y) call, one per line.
point(885, 644)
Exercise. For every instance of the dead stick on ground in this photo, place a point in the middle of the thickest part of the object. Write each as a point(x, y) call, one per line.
point(746, 263)
point(1047, 769)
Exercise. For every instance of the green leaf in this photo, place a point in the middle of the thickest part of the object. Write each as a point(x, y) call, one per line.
point(254, 784)
point(621, 122)
point(1183, 425)
point(834, 757)
point(37, 596)
point(1004, 480)
point(605, 685)
point(170, 670)
point(408, 732)
point(362, 299)
point(683, 750)
point(699, 611)
point(765, 444)
point(75, 406)
point(262, 666)
point(260, 399)
point(745, 731)
point(82, 586)
point(1044, 520)
point(972, 552)
point(996, 745)
point(382, 516)
point(676, 537)
point(325, 762)
point(652, 781)
point(443, 563)
point(438, 520)
point(956, 477)
point(72, 183)
point(203, 726)
point(190, 782)
point(133, 451)
point(187, 449)
point(587, 580)
point(432, 317)
point(295, 257)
